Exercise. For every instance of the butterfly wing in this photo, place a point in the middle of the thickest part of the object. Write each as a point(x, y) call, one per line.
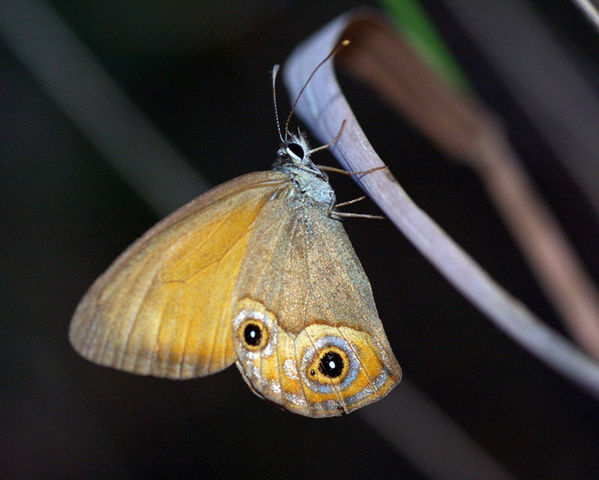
point(322, 350)
point(163, 307)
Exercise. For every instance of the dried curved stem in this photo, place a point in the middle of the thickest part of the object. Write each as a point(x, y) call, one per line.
point(466, 131)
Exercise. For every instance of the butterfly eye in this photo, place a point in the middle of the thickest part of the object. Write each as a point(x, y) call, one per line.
point(330, 365)
point(295, 150)
point(254, 335)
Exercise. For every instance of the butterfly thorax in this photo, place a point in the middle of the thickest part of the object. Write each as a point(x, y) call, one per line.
point(293, 159)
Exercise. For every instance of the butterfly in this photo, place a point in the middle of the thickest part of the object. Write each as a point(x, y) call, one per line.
point(259, 272)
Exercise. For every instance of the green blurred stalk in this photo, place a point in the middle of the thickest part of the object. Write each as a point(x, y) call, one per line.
point(419, 30)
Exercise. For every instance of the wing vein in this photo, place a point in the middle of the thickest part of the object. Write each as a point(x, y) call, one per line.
point(279, 301)
point(342, 266)
point(311, 293)
point(188, 324)
point(123, 352)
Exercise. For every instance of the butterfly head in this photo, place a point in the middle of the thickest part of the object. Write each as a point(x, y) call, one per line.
point(293, 159)
point(295, 151)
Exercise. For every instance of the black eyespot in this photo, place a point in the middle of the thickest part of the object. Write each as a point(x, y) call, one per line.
point(296, 149)
point(252, 334)
point(331, 364)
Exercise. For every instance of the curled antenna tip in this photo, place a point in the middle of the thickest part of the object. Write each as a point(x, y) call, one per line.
point(344, 43)
point(275, 71)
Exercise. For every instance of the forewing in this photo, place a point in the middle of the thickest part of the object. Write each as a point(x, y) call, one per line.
point(163, 307)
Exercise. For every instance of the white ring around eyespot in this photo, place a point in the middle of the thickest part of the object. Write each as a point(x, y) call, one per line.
point(267, 321)
point(314, 351)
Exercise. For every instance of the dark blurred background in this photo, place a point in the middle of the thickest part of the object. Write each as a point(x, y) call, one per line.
point(200, 72)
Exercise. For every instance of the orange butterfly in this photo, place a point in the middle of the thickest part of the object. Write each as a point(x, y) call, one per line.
point(258, 272)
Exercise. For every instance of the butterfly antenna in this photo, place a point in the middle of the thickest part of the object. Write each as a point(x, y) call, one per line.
point(275, 71)
point(335, 51)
